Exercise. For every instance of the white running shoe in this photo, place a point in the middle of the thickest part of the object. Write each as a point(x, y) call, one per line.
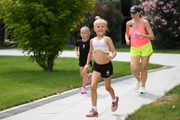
point(137, 85)
point(142, 90)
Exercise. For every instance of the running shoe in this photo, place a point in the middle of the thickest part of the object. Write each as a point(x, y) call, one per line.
point(83, 91)
point(142, 90)
point(89, 78)
point(114, 106)
point(92, 113)
point(137, 85)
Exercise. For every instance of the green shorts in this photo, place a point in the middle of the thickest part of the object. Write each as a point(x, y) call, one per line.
point(145, 50)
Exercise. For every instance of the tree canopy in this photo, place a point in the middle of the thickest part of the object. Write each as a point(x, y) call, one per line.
point(41, 27)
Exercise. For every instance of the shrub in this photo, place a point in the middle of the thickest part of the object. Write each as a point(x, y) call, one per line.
point(163, 16)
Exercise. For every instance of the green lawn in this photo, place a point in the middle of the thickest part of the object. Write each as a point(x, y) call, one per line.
point(164, 108)
point(22, 81)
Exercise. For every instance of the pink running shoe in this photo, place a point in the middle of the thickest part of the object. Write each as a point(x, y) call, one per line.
point(89, 78)
point(114, 106)
point(92, 113)
point(83, 91)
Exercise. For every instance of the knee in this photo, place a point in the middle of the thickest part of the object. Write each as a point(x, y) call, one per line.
point(83, 74)
point(134, 70)
point(93, 87)
point(143, 68)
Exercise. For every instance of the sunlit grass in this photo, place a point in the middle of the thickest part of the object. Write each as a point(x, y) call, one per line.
point(22, 81)
point(164, 108)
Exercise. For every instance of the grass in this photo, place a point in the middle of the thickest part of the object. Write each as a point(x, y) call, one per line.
point(22, 81)
point(164, 108)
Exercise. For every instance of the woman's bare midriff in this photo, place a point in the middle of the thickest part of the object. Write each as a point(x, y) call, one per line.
point(101, 57)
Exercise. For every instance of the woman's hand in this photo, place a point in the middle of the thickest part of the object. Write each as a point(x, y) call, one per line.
point(138, 34)
point(128, 42)
point(141, 35)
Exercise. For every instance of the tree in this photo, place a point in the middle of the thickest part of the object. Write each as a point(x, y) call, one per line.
point(41, 27)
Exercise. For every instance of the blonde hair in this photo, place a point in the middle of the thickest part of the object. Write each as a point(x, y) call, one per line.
point(99, 19)
point(86, 29)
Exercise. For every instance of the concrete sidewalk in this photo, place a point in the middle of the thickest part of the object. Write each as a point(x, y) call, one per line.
point(72, 105)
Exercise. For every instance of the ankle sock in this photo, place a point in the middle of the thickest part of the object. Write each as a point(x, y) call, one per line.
point(94, 107)
point(114, 100)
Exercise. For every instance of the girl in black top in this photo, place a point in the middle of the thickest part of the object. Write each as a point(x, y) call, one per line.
point(81, 50)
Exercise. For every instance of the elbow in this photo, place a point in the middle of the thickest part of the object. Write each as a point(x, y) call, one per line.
point(152, 38)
